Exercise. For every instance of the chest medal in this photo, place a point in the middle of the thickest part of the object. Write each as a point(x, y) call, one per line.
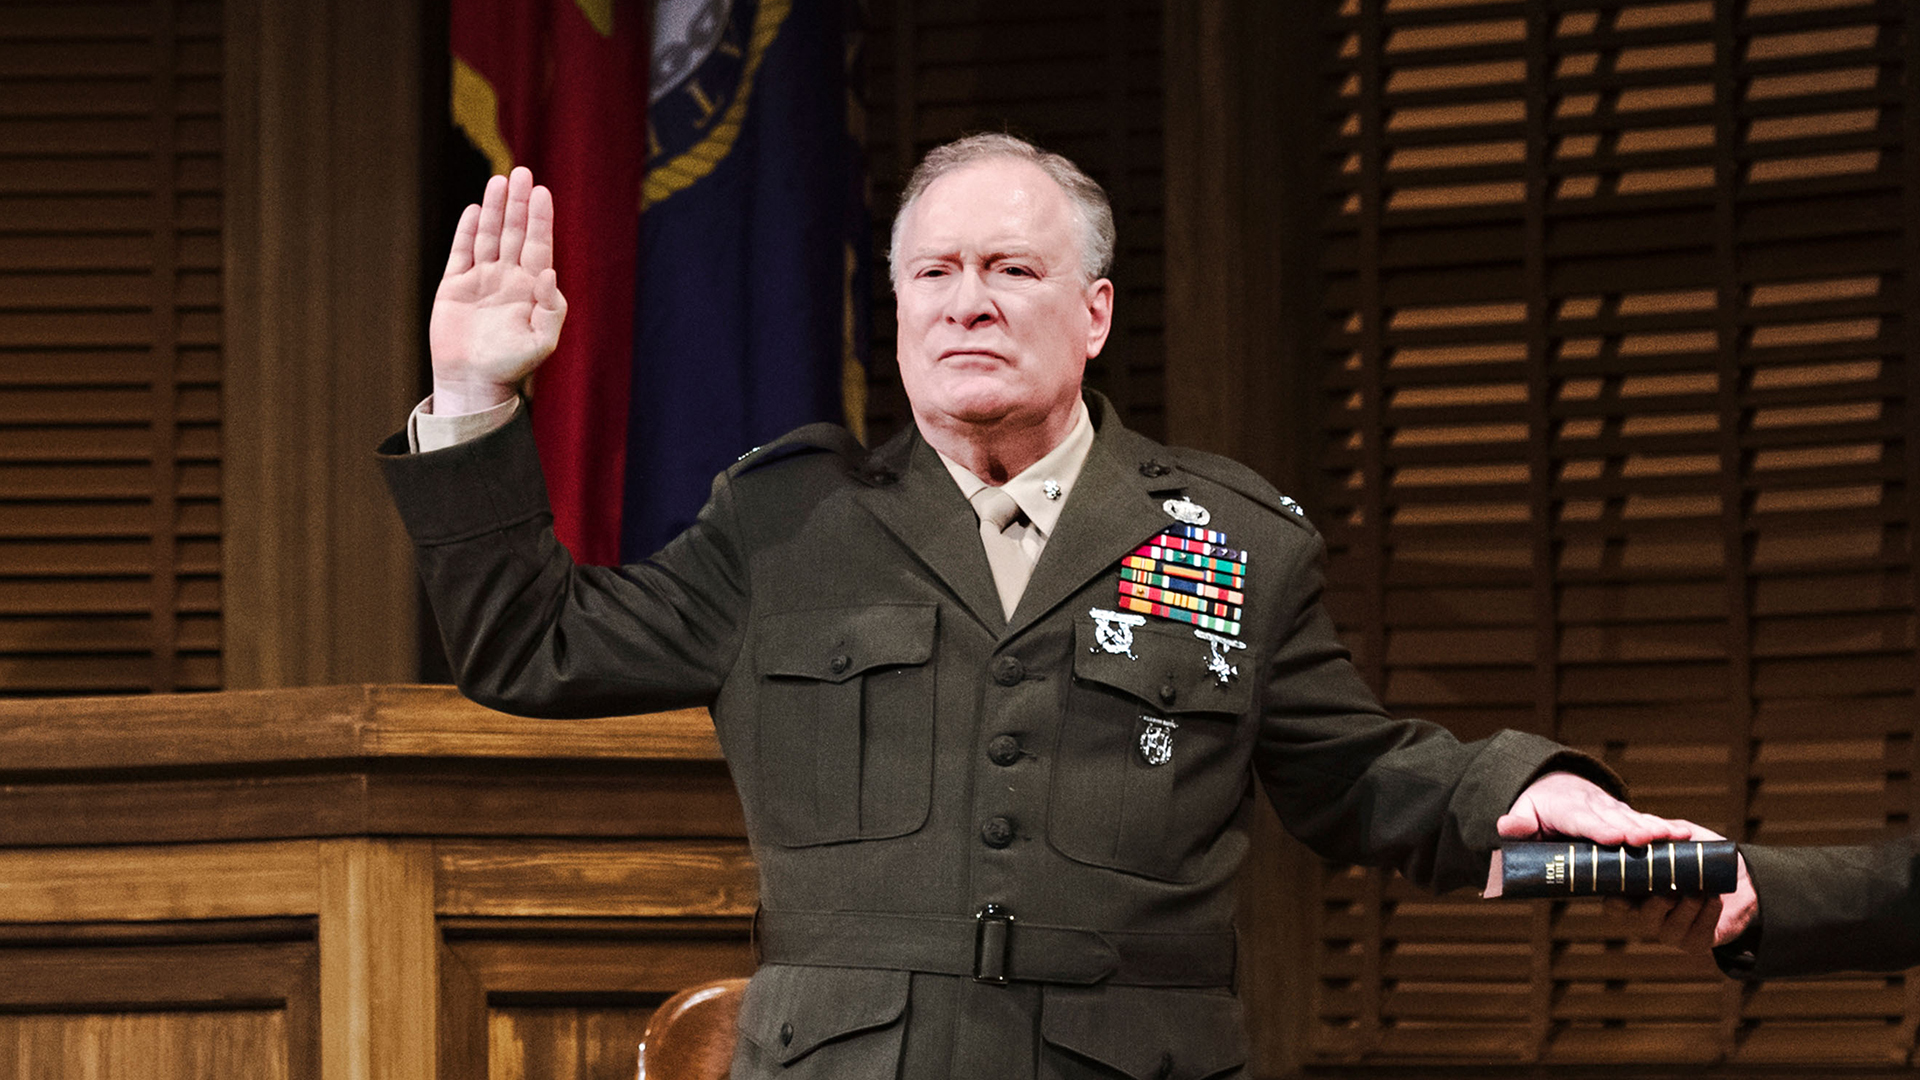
point(1217, 660)
point(1156, 740)
point(1186, 511)
point(1113, 631)
point(1186, 573)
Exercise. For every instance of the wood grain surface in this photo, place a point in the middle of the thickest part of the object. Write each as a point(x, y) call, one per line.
point(323, 723)
point(355, 883)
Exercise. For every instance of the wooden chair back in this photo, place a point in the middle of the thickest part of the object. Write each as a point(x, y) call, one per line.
point(691, 1035)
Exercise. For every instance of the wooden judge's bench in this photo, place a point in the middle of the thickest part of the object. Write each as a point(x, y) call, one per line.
point(354, 883)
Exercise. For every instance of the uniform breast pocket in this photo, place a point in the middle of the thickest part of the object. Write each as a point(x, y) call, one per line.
point(844, 738)
point(1153, 755)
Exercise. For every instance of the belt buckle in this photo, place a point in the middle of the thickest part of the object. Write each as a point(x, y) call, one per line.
point(992, 944)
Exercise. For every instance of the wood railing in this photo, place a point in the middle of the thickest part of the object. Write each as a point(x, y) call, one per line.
point(362, 882)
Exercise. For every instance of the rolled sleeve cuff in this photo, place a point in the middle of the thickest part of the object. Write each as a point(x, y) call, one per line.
point(428, 431)
point(481, 485)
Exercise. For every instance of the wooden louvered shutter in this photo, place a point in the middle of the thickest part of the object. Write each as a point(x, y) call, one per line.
point(1620, 449)
point(1078, 77)
point(110, 297)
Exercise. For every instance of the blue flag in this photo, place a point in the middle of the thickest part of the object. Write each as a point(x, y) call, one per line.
point(750, 300)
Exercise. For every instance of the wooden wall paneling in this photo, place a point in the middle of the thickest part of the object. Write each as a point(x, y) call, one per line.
point(606, 800)
point(1545, 691)
point(1241, 271)
point(443, 923)
point(1353, 522)
point(1241, 340)
point(589, 879)
point(569, 997)
point(109, 346)
point(175, 1003)
point(329, 723)
point(210, 881)
point(531, 960)
point(1730, 407)
point(565, 1042)
point(145, 1045)
point(379, 961)
point(324, 105)
point(1619, 450)
point(1909, 1028)
point(461, 1009)
point(165, 348)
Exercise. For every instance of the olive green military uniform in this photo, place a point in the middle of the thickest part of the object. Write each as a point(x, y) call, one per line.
point(1825, 909)
point(907, 756)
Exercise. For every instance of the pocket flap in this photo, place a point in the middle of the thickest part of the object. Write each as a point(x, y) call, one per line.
point(790, 1011)
point(1168, 668)
point(838, 643)
point(1147, 1034)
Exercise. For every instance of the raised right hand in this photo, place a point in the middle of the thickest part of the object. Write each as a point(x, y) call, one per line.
point(498, 310)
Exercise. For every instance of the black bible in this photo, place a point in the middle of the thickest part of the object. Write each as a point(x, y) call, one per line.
point(1550, 868)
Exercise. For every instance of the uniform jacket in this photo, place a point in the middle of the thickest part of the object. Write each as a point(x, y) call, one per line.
point(1825, 909)
point(901, 747)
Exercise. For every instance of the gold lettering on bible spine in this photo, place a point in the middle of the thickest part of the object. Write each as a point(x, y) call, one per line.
point(1556, 871)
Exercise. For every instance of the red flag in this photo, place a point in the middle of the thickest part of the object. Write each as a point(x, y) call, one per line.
point(560, 86)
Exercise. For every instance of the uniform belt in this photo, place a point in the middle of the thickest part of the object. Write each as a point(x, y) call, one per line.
point(995, 946)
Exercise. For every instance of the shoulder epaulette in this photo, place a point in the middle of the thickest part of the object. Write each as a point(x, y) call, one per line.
point(820, 438)
point(1231, 474)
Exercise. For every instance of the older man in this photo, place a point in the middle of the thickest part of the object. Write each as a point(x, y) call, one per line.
point(996, 694)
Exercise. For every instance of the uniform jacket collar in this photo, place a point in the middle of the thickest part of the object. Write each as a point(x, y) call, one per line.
point(1114, 507)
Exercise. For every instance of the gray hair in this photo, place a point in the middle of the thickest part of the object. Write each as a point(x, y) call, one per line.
point(1092, 215)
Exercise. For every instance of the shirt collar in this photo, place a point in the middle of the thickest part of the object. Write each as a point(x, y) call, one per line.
point(1060, 467)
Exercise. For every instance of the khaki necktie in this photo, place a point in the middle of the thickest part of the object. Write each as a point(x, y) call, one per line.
point(1007, 556)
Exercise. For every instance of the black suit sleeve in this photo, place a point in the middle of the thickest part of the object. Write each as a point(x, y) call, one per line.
point(1825, 909)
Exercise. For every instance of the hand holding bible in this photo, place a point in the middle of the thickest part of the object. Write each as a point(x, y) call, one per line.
point(1695, 923)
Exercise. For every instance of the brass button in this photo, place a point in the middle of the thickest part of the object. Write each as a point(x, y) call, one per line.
point(786, 1034)
point(839, 664)
point(1008, 670)
point(1168, 693)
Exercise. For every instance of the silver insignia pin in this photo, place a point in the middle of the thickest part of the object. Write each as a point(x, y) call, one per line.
point(1051, 488)
point(1292, 507)
point(1217, 659)
point(1156, 740)
point(1186, 510)
point(1114, 630)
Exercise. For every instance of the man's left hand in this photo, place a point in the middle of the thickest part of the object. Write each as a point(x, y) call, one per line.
point(1695, 923)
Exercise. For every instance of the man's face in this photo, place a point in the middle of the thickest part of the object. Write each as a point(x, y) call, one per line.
point(995, 323)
